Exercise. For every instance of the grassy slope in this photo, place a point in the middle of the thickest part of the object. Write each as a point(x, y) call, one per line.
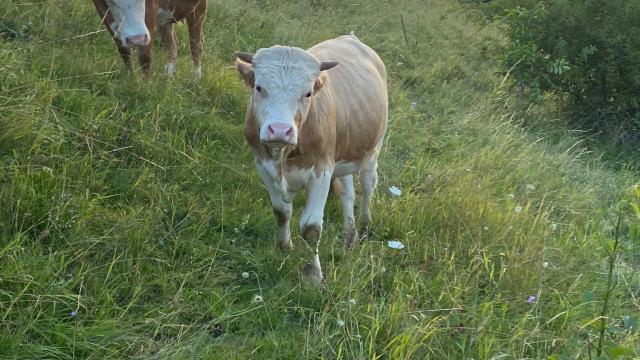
point(136, 204)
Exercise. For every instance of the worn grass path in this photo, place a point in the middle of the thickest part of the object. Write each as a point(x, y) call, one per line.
point(130, 209)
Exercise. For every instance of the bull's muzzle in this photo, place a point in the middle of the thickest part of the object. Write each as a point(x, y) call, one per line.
point(137, 40)
point(279, 133)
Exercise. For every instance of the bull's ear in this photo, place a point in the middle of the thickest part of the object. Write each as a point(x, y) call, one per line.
point(326, 65)
point(246, 57)
point(320, 81)
point(246, 70)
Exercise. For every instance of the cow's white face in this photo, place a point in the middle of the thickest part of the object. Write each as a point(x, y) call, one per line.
point(129, 25)
point(284, 80)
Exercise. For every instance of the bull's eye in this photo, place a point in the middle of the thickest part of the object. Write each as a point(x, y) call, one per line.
point(258, 88)
point(308, 94)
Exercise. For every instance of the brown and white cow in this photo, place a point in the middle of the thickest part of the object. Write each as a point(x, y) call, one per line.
point(310, 122)
point(131, 22)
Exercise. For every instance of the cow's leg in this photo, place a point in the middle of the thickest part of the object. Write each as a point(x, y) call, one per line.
point(312, 219)
point(347, 194)
point(282, 209)
point(144, 57)
point(195, 20)
point(107, 19)
point(125, 53)
point(368, 182)
point(170, 46)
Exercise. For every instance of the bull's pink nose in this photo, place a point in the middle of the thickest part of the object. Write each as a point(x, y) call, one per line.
point(280, 132)
point(138, 40)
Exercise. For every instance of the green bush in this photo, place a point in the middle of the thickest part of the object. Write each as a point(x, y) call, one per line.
point(587, 51)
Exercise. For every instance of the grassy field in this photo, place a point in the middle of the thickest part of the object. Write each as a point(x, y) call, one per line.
point(130, 209)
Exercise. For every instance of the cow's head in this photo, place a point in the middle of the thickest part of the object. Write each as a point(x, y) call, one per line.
point(129, 25)
point(284, 80)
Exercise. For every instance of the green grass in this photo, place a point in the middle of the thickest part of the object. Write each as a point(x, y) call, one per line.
point(135, 203)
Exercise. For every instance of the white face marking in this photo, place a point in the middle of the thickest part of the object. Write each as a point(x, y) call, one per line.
point(284, 80)
point(129, 21)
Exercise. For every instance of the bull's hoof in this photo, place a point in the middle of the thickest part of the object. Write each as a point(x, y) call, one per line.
point(284, 245)
point(314, 274)
point(351, 237)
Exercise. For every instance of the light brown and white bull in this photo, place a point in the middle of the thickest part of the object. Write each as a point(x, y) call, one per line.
point(131, 22)
point(310, 122)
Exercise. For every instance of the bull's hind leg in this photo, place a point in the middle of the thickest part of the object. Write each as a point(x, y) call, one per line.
point(368, 182)
point(344, 188)
point(312, 219)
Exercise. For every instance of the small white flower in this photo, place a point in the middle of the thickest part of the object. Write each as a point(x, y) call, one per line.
point(545, 264)
point(395, 191)
point(395, 244)
point(257, 299)
point(414, 104)
point(245, 275)
point(511, 195)
point(553, 226)
point(518, 209)
point(352, 301)
point(486, 228)
point(340, 323)
point(400, 63)
point(383, 269)
point(530, 187)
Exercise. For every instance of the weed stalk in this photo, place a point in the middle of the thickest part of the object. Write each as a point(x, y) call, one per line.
point(610, 284)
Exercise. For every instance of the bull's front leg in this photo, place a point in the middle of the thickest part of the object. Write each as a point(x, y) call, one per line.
point(312, 219)
point(280, 201)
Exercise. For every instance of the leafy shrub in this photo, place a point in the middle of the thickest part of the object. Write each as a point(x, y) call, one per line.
point(588, 51)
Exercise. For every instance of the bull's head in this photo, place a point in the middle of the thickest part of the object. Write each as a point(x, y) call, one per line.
point(129, 25)
point(284, 80)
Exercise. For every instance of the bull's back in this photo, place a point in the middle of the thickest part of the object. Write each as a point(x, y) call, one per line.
point(357, 88)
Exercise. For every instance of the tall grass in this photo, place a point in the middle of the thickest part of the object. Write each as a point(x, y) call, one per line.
point(130, 209)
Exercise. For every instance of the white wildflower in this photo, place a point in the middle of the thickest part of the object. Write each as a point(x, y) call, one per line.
point(553, 226)
point(545, 264)
point(245, 275)
point(511, 195)
point(395, 191)
point(340, 323)
point(530, 187)
point(352, 301)
point(518, 209)
point(486, 228)
point(257, 299)
point(395, 244)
